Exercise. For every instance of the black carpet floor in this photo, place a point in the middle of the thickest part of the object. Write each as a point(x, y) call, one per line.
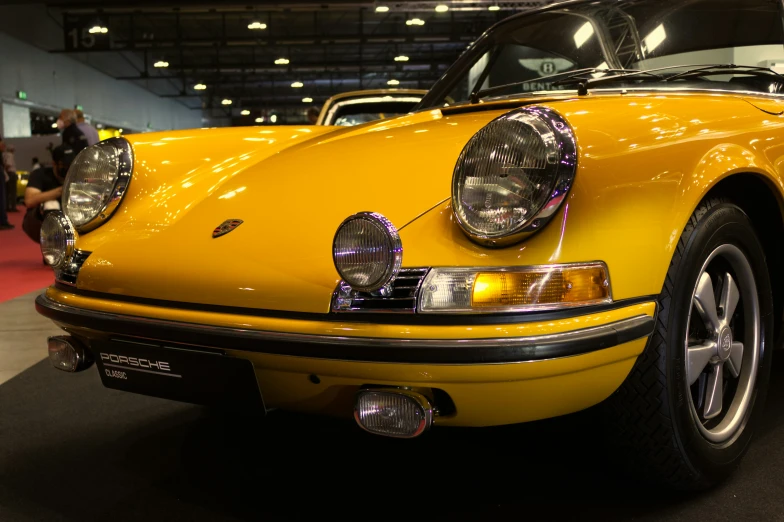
point(72, 450)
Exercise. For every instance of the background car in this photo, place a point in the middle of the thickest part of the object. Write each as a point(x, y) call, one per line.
point(21, 184)
point(354, 108)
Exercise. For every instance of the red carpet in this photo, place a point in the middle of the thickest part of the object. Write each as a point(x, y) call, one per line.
point(21, 268)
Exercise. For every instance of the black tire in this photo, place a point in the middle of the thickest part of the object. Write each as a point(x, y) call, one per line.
point(651, 418)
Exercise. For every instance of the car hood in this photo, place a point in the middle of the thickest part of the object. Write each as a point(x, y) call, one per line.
point(291, 187)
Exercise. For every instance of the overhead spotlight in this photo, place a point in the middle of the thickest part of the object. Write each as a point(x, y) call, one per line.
point(401, 58)
point(161, 64)
point(226, 101)
point(307, 100)
point(382, 9)
point(98, 29)
point(415, 21)
point(297, 85)
point(245, 112)
point(199, 87)
point(282, 61)
point(257, 25)
point(442, 8)
point(274, 118)
point(260, 120)
point(494, 8)
point(393, 82)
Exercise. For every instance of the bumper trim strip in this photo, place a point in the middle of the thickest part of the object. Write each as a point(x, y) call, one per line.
point(421, 351)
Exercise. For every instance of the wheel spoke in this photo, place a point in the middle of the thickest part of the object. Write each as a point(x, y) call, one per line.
point(697, 358)
point(729, 297)
point(736, 359)
point(714, 391)
point(705, 302)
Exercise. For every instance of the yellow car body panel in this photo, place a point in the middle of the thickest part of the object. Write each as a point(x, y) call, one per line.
point(645, 161)
point(21, 183)
point(560, 386)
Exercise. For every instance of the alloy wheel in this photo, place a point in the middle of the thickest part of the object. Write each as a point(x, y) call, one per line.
point(723, 348)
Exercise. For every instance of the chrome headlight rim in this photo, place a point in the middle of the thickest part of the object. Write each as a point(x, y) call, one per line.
point(565, 176)
point(395, 249)
point(124, 174)
point(71, 235)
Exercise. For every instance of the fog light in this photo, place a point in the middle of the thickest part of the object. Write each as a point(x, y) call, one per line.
point(67, 354)
point(394, 413)
point(58, 239)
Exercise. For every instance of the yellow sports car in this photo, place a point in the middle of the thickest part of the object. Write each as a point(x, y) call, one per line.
point(357, 107)
point(21, 184)
point(585, 209)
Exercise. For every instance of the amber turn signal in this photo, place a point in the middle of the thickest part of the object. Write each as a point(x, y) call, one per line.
point(541, 286)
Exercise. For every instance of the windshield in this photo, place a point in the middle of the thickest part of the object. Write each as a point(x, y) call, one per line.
point(351, 112)
point(530, 53)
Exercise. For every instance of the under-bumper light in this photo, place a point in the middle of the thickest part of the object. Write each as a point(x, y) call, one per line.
point(67, 354)
point(393, 412)
point(523, 289)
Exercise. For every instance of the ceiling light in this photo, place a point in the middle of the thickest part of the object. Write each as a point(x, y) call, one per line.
point(442, 8)
point(226, 101)
point(382, 9)
point(393, 82)
point(493, 8)
point(245, 112)
point(282, 61)
point(257, 25)
point(260, 120)
point(401, 58)
point(98, 29)
point(297, 85)
point(415, 21)
point(307, 100)
point(199, 87)
point(274, 118)
point(583, 34)
point(54, 125)
point(655, 39)
point(161, 63)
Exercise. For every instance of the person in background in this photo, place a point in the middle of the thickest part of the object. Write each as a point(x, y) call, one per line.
point(4, 224)
point(44, 190)
point(9, 164)
point(36, 164)
point(73, 137)
point(313, 114)
point(87, 129)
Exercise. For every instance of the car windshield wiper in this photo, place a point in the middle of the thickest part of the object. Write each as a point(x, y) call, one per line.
point(719, 69)
point(583, 83)
point(565, 77)
point(693, 71)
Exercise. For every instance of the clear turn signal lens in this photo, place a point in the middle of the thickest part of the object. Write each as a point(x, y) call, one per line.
point(461, 290)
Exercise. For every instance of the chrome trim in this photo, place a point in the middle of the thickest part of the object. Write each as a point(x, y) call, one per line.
point(395, 250)
point(422, 402)
point(404, 273)
point(124, 154)
point(519, 309)
point(389, 98)
point(68, 273)
point(567, 169)
point(70, 236)
point(265, 335)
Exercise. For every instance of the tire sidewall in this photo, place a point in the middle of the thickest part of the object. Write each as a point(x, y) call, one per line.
point(722, 224)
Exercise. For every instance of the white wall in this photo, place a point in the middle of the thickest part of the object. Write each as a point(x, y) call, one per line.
point(55, 81)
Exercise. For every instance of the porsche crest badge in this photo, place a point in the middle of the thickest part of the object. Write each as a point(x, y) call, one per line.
point(226, 227)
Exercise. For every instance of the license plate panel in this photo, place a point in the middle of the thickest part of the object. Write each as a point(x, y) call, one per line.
point(180, 374)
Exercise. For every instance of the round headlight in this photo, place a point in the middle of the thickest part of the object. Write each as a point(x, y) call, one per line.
point(96, 183)
point(513, 175)
point(58, 238)
point(367, 251)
